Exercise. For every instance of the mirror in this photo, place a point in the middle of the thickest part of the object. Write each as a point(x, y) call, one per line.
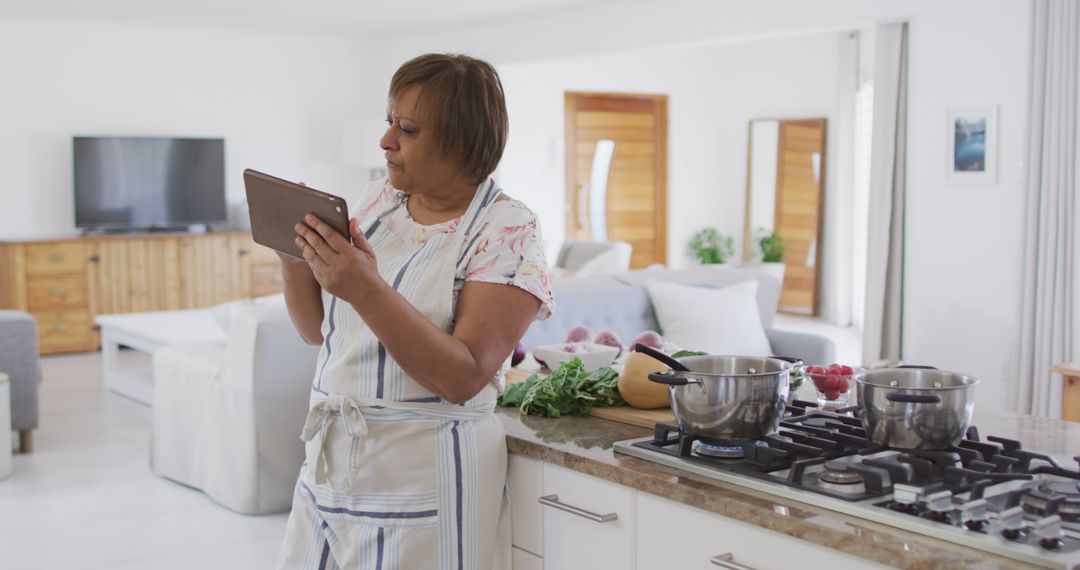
point(785, 174)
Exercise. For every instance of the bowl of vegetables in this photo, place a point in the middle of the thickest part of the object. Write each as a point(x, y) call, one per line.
point(592, 355)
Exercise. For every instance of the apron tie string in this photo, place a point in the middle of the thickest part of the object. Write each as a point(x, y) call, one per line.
point(331, 407)
point(318, 422)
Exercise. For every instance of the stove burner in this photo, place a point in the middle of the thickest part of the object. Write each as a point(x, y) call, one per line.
point(1065, 493)
point(727, 450)
point(714, 450)
point(837, 473)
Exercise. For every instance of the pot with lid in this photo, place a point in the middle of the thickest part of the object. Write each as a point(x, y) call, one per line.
point(727, 397)
point(916, 407)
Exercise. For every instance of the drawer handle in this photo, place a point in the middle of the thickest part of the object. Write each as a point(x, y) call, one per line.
point(60, 327)
point(57, 291)
point(553, 501)
point(56, 257)
point(727, 560)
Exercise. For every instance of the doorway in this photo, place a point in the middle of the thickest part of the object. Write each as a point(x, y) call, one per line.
point(616, 171)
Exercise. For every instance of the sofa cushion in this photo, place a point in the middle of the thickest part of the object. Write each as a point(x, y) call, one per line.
point(718, 321)
point(598, 303)
point(225, 313)
point(714, 276)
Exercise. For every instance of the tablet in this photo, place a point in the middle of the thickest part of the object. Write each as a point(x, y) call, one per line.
point(276, 205)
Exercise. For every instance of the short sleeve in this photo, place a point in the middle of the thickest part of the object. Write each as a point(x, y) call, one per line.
point(508, 250)
point(372, 198)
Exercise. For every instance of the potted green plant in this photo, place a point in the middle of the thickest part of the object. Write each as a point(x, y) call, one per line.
point(709, 246)
point(770, 252)
point(772, 248)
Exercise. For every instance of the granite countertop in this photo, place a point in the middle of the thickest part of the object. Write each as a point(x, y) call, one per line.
point(585, 444)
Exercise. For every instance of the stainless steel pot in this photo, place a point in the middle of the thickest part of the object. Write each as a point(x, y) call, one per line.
point(729, 397)
point(915, 407)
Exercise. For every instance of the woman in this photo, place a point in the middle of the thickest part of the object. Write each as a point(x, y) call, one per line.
point(406, 462)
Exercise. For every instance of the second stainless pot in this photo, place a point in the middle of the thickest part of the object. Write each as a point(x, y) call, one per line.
point(728, 397)
point(915, 408)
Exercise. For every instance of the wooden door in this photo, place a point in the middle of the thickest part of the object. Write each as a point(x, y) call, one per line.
point(635, 208)
point(800, 171)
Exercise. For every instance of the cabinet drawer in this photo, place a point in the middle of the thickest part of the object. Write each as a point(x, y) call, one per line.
point(260, 254)
point(53, 258)
point(265, 279)
point(574, 540)
point(674, 535)
point(526, 487)
point(58, 292)
point(60, 331)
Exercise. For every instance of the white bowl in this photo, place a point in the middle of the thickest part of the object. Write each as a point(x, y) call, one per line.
point(592, 355)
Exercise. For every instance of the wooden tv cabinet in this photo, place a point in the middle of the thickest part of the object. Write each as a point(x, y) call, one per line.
point(64, 283)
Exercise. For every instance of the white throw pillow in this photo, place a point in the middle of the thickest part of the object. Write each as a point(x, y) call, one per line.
point(722, 321)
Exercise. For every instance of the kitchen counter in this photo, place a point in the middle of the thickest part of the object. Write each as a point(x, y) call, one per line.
point(585, 444)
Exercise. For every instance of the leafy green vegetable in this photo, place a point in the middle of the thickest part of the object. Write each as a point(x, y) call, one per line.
point(568, 390)
point(685, 353)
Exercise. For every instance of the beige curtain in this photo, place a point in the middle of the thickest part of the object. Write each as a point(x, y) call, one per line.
point(882, 324)
point(1047, 319)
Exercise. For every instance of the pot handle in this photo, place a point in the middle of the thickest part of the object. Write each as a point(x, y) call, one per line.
point(671, 379)
point(795, 362)
point(918, 366)
point(669, 361)
point(913, 398)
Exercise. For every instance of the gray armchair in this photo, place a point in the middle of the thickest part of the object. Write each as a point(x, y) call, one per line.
point(19, 360)
point(590, 258)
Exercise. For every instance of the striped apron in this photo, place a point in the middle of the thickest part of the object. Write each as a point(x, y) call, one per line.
point(395, 477)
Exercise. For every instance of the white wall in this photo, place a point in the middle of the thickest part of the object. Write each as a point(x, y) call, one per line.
point(963, 243)
point(713, 94)
point(279, 101)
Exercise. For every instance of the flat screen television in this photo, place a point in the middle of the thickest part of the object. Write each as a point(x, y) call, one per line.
point(145, 183)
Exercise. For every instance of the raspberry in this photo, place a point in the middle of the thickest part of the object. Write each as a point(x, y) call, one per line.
point(831, 382)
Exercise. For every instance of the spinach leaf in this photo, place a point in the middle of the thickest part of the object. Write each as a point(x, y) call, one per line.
point(567, 390)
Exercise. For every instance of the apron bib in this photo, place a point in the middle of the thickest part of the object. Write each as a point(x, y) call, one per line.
point(395, 477)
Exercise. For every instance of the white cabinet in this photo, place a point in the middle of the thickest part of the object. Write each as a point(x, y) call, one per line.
point(526, 560)
point(673, 535)
point(588, 522)
point(526, 487)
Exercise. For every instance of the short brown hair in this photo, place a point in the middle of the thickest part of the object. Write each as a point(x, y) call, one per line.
point(464, 100)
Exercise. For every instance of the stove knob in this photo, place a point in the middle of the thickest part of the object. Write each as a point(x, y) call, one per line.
point(974, 514)
point(939, 506)
point(1048, 529)
point(1012, 522)
point(907, 494)
point(940, 502)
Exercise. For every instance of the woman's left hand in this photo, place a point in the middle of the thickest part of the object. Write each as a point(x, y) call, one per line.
point(346, 270)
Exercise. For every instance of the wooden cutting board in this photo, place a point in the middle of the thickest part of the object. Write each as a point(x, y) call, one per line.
point(622, 414)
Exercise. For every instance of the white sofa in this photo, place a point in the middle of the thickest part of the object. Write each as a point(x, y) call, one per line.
point(227, 417)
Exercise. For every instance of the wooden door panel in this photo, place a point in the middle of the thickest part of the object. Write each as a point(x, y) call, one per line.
point(798, 215)
point(636, 198)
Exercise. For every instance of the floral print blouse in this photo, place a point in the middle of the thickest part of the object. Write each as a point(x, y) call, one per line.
point(508, 249)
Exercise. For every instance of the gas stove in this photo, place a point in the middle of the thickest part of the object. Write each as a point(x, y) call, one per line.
point(985, 493)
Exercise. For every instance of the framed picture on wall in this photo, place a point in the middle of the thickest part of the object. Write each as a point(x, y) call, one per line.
point(972, 155)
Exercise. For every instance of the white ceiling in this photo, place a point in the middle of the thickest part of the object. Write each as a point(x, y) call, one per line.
point(367, 17)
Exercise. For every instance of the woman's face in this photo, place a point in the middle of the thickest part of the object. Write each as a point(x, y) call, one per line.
point(414, 161)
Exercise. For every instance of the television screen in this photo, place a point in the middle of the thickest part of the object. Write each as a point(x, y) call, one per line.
point(134, 182)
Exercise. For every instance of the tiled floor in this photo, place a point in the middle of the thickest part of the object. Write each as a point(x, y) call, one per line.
point(86, 499)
